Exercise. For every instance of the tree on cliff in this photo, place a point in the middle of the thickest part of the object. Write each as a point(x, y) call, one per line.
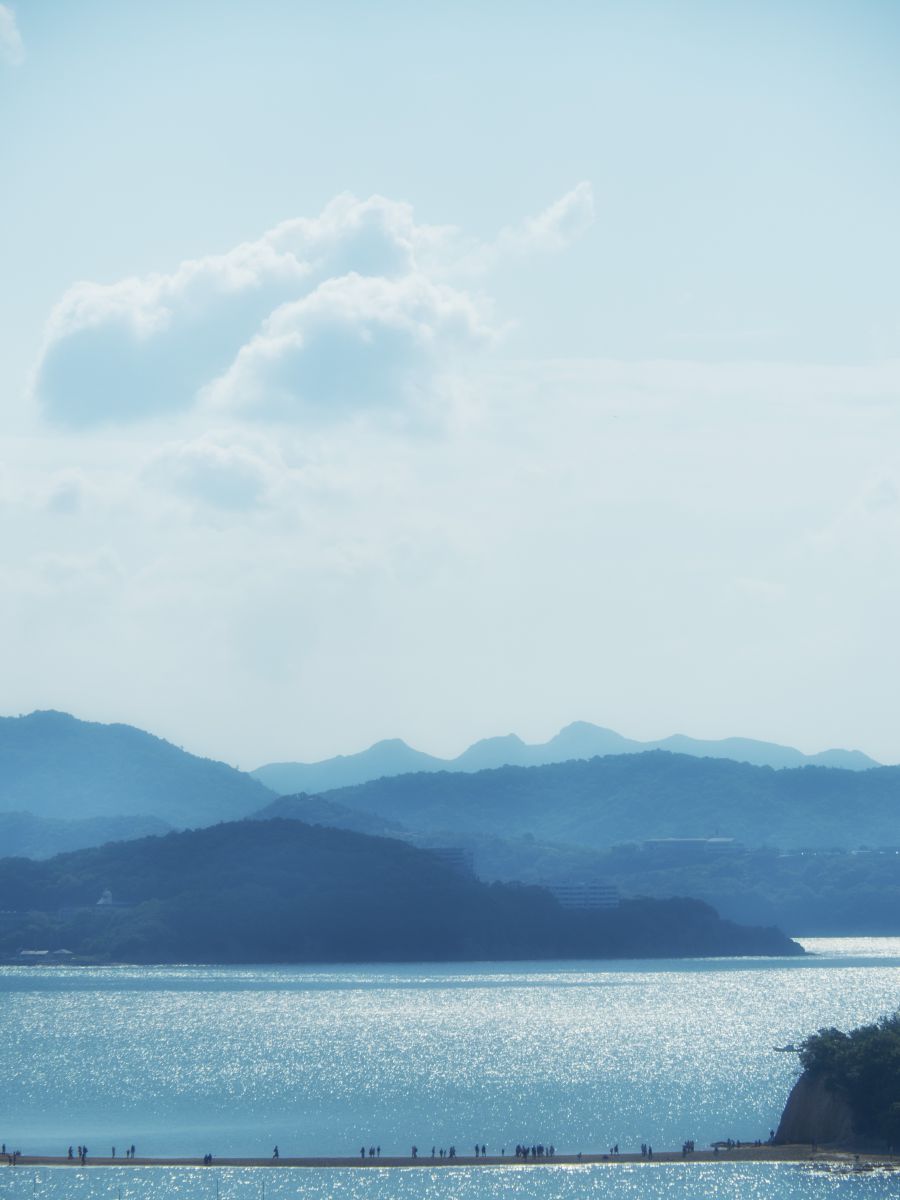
point(863, 1066)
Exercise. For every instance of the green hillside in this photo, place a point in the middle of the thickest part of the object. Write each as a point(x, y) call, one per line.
point(635, 797)
point(283, 891)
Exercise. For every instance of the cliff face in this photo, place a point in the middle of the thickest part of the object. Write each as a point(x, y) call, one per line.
point(814, 1113)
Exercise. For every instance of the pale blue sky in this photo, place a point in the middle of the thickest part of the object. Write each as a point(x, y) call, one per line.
point(633, 461)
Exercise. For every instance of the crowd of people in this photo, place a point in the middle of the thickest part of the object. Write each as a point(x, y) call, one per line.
point(80, 1153)
point(537, 1151)
point(523, 1152)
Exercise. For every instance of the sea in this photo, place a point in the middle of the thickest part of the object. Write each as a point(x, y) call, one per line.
point(233, 1061)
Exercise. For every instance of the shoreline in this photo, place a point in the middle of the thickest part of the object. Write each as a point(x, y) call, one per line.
point(800, 1153)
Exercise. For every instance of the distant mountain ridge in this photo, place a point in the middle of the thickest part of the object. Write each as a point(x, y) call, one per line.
point(28, 836)
point(614, 799)
point(53, 765)
point(580, 740)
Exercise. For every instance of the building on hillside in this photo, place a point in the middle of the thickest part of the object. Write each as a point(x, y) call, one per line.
point(38, 956)
point(105, 905)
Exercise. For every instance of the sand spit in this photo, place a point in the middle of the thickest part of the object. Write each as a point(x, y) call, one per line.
point(826, 1158)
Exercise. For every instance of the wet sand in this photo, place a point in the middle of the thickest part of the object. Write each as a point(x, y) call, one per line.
point(846, 1159)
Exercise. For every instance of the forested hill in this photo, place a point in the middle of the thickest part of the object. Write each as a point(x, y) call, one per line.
point(636, 797)
point(53, 765)
point(283, 891)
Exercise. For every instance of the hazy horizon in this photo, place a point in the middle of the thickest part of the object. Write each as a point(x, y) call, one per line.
point(440, 372)
point(454, 751)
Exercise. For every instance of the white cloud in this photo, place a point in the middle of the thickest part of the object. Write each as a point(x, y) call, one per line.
point(566, 220)
point(670, 511)
point(354, 342)
point(351, 308)
point(12, 48)
point(223, 471)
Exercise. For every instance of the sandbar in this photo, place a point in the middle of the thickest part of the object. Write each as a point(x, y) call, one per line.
point(826, 1156)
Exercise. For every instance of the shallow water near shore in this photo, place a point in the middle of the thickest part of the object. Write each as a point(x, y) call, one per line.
point(691, 1181)
point(232, 1061)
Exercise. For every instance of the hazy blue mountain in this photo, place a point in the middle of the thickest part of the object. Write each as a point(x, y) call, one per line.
point(580, 740)
point(317, 810)
point(602, 802)
point(493, 752)
point(41, 837)
point(764, 754)
point(53, 765)
point(284, 891)
point(390, 757)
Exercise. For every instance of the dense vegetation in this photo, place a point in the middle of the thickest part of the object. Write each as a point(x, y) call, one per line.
point(864, 1067)
point(821, 893)
point(283, 891)
point(52, 765)
point(816, 893)
point(633, 797)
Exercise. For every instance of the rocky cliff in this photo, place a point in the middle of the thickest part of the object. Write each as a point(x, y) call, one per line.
point(816, 1113)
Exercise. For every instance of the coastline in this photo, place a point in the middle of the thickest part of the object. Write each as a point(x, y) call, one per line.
point(828, 1157)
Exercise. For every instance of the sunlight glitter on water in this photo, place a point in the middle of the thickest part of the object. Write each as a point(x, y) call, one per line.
point(232, 1061)
point(720, 1181)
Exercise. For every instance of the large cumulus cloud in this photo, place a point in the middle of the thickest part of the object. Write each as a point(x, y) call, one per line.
point(352, 308)
point(353, 340)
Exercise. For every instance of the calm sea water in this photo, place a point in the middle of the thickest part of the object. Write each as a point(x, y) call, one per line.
point(185, 1060)
point(694, 1181)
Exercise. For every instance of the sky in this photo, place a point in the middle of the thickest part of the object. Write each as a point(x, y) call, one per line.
point(441, 371)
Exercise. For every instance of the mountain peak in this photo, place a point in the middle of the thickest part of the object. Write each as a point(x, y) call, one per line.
point(577, 740)
point(55, 765)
